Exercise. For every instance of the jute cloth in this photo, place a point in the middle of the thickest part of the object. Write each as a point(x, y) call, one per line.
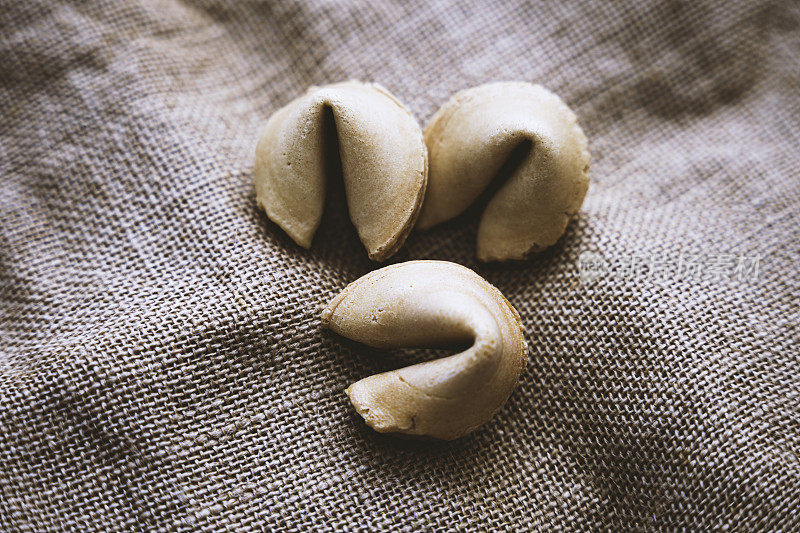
point(161, 361)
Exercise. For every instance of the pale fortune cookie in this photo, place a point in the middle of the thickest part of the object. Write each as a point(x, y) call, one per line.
point(383, 160)
point(469, 140)
point(424, 304)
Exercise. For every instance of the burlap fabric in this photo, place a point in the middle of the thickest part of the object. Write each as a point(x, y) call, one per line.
point(161, 364)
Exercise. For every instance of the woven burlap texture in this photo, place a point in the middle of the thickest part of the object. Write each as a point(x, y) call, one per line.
point(161, 361)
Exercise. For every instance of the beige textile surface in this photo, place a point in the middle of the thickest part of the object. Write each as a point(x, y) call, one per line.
point(161, 362)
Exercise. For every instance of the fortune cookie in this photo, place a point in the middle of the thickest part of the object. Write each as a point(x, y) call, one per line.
point(383, 162)
point(474, 134)
point(426, 304)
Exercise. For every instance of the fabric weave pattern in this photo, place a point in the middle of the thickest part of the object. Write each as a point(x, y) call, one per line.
point(161, 361)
